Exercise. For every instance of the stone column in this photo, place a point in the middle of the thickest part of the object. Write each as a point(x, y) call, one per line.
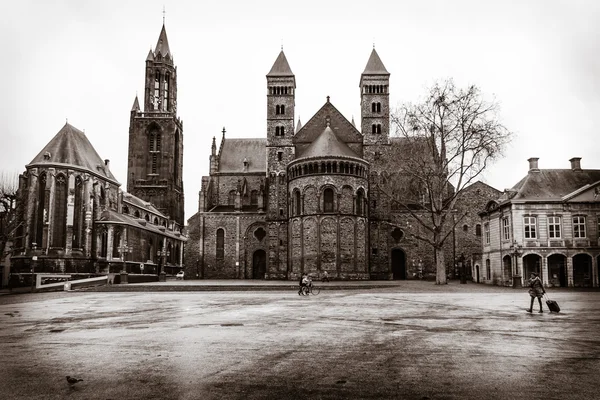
point(32, 197)
point(569, 271)
point(109, 242)
point(595, 271)
point(545, 271)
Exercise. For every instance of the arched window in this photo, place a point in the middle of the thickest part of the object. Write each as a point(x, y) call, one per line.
point(147, 217)
point(104, 244)
point(154, 144)
point(156, 99)
point(116, 244)
point(378, 107)
point(360, 199)
point(466, 228)
point(78, 214)
point(374, 128)
point(378, 128)
point(41, 214)
point(59, 222)
point(254, 197)
point(478, 230)
point(231, 198)
point(220, 244)
point(137, 213)
point(328, 200)
point(155, 221)
point(282, 109)
point(298, 203)
point(166, 93)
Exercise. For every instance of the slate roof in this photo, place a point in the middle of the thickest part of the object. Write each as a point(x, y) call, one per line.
point(552, 184)
point(162, 45)
point(111, 216)
point(234, 151)
point(71, 147)
point(375, 65)
point(344, 130)
point(144, 205)
point(328, 145)
point(281, 67)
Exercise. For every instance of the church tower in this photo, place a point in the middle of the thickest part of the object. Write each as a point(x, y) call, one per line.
point(281, 87)
point(155, 167)
point(375, 127)
point(375, 101)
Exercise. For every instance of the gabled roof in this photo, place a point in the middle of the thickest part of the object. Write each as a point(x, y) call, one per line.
point(162, 46)
point(142, 204)
point(552, 184)
point(344, 130)
point(281, 67)
point(71, 147)
point(234, 151)
point(328, 145)
point(111, 216)
point(375, 65)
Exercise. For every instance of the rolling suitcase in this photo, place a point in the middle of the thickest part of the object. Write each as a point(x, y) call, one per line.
point(552, 305)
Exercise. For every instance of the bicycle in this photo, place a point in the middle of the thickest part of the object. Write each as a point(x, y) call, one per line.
point(306, 290)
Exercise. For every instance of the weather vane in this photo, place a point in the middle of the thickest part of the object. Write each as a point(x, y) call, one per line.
point(164, 12)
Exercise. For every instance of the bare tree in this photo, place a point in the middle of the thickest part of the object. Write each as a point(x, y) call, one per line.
point(9, 184)
point(448, 140)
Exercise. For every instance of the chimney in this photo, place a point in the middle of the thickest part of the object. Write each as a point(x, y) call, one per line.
point(533, 164)
point(575, 163)
point(107, 163)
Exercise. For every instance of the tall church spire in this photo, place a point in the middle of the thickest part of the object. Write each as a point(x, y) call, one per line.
point(156, 136)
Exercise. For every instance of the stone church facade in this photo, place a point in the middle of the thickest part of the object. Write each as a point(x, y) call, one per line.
point(75, 219)
point(305, 198)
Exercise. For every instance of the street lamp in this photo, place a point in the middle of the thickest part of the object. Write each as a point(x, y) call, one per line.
point(33, 261)
point(162, 254)
point(124, 249)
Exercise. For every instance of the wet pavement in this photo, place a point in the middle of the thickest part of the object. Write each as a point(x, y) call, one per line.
point(413, 340)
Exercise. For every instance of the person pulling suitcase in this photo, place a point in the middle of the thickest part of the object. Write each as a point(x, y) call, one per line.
point(536, 289)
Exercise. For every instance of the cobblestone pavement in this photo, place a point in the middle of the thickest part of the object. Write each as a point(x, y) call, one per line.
point(414, 340)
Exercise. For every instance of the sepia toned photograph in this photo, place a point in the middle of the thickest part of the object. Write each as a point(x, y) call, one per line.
point(301, 200)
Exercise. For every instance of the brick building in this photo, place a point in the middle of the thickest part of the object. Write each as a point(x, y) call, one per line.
point(306, 197)
point(548, 223)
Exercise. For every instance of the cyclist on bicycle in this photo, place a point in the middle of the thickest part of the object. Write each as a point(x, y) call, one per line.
point(301, 288)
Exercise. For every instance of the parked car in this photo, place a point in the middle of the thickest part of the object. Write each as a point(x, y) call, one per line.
point(179, 275)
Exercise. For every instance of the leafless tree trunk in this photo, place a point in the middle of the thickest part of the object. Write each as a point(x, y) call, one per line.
point(9, 184)
point(444, 143)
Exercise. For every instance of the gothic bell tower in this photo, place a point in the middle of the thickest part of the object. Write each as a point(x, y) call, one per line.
point(155, 162)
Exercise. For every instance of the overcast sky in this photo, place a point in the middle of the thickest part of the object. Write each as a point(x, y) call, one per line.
point(85, 61)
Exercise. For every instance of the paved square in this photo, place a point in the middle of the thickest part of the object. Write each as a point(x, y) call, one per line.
point(414, 341)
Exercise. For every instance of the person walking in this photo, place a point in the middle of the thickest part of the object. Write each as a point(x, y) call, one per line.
point(536, 289)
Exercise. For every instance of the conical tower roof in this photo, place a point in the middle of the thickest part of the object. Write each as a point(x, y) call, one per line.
point(375, 65)
point(136, 104)
point(71, 147)
point(328, 145)
point(299, 125)
point(281, 67)
point(162, 46)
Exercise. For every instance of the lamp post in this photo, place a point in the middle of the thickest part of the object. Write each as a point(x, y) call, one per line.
point(516, 252)
point(162, 254)
point(33, 261)
point(124, 249)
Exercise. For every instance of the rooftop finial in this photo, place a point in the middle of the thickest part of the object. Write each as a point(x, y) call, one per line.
point(224, 131)
point(373, 43)
point(164, 12)
point(328, 99)
point(281, 44)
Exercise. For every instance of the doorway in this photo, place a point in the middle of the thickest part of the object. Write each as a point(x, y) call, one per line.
point(398, 264)
point(477, 273)
point(259, 264)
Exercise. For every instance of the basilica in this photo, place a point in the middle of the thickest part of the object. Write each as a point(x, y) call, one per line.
point(305, 198)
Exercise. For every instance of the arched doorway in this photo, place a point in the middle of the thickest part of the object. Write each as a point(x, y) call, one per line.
point(398, 264)
point(557, 271)
point(477, 273)
point(531, 263)
point(582, 270)
point(259, 264)
point(507, 270)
